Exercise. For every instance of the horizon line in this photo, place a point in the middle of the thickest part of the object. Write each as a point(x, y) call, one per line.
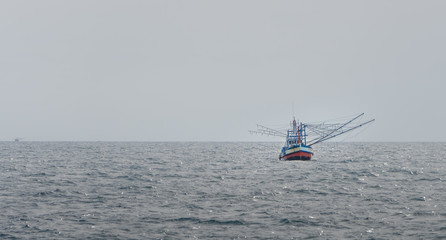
point(208, 141)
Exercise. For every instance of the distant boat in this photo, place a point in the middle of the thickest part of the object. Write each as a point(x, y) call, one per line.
point(17, 139)
point(296, 145)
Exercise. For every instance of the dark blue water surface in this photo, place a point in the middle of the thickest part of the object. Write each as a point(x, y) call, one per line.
point(111, 190)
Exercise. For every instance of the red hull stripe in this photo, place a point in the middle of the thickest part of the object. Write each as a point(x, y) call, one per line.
point(299, 154)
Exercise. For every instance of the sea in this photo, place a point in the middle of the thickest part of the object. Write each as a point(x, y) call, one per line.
point(221, 190)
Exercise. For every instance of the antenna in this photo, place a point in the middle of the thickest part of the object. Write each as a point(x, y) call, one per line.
point(293, 109)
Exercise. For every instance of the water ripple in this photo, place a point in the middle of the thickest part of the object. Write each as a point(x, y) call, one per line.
point(94, 190)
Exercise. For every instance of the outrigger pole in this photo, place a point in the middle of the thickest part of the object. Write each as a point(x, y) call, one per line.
point(348, 130)
point(330, 136)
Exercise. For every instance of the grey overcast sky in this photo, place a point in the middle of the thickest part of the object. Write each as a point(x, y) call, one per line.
point(211, 70)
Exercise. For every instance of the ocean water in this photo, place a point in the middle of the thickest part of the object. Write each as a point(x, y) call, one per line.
point(113, 190)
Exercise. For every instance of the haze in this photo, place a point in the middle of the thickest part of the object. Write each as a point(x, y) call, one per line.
point(211, 70)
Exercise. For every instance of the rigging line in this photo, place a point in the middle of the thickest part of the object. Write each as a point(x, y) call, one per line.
point(260, 127)
point(323, 130)
point(348, 135)
point(342, 118)
point(352, 128)
point(359, 132)
point(267, 131)
point(348, 130)
point(327, 136)
point(316, 131)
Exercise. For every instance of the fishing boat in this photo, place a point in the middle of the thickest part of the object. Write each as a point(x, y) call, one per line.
point(296, 145)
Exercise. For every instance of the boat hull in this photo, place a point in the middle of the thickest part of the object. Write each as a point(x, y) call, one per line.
point(303, 153)
point(304, 156)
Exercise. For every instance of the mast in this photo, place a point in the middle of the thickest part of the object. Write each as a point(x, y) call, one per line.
point(294, 125)
point(298, 134)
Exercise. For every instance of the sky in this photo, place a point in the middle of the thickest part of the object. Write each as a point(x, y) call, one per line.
point(108, 70)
